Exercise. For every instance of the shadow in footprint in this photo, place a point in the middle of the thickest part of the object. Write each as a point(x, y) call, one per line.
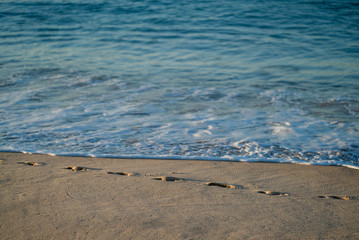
point(77, 168)
point(121, 173)
point(168, 179)
point(30, 163)
point(339, 197)
point(221, 185)
point(273, 193)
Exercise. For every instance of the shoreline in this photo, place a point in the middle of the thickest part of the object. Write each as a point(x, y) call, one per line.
point(188, 158)
point(44, 197)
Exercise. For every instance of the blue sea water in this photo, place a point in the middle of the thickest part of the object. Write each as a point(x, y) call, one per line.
point(260, 80)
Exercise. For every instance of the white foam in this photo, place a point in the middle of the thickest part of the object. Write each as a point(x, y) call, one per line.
point(140, 119)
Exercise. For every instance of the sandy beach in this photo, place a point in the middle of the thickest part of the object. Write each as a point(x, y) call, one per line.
point(52, 197)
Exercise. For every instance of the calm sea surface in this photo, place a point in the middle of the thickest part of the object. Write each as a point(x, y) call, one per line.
point(260, 80)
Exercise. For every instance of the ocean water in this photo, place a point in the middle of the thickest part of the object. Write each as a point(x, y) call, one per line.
point(261, 80)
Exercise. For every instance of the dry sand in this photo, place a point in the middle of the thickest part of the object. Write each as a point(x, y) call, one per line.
point(45, 197)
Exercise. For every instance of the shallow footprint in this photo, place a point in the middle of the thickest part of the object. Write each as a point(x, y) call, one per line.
point(29, 163)
point(76, 168)
point(220, 185)
point(170, 179)
point(339, 197)
point(121, 173)
point(273, 193)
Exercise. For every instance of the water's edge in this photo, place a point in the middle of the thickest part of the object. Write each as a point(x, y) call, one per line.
point(187, 158)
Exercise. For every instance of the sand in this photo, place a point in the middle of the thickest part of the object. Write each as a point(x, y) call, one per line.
point(52, 197)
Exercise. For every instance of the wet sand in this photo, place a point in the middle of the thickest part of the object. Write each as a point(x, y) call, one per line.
point(52, 197)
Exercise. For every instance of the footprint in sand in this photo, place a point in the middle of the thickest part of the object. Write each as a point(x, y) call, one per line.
point(168, 179)
point(339, 197)
point(121, 173)
point(273, 193)
point(29, 163)
point(76, 168)
point(220, 185)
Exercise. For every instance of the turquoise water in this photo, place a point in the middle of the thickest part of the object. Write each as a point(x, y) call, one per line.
point(231, 80)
